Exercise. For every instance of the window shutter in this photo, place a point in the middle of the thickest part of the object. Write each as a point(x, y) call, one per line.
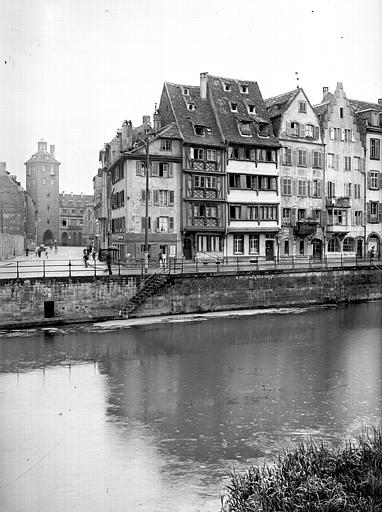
point(319, 188)
point(337, 163)
point(171, 197)
point(143, 222)
point(294, 187)
point(157, 224)
point(293, 215)
point(379, 212)
point(310, 188)
point(170, 170)
point(155, 169)
point(171, 222)
point(294, 156)
point(191, 153)
point(143, 195)
point(316, 132)
point(353, 136)
point(368, 179)
point(379, 181)
point(302, 130)
point(324, 218)
point(288, 128)
point(309, 158)
point(156, 196)
point(342, 133)
point(138, 168)
point(352, 218)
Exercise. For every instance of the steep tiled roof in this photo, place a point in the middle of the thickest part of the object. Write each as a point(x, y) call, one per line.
point(277, 105)
point(186, 119)
point(359, 106)
point(229, 120)
point(39, 157)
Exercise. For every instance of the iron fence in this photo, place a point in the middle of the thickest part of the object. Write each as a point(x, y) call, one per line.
point(72, 268)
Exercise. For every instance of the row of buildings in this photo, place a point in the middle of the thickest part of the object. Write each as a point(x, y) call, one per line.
point(233, 175)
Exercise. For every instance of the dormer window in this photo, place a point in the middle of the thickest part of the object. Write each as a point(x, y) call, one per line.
point(191, 106)
point(251, 109)
point(263, 130)
point(244, 88)
point(245, 128)
point(200, 130)
point(233, 107)
point(227, 86)
point(186, 91)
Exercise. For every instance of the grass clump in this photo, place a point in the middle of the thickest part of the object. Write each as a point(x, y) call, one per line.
point(313, 478)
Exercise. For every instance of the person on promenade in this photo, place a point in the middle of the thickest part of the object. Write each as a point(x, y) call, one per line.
point(85, 257)
point(372, 254)
point(108, 262)
point(26, 252)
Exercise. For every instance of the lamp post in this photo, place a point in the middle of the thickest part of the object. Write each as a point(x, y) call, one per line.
point(146, 142)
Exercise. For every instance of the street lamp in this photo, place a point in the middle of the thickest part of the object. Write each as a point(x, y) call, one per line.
point(146, 142)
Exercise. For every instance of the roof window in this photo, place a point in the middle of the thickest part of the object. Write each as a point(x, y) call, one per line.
point(200, 130)
point(227, 86)
point(233, 107)
point(251, 109)
point(263, 130)
point(245, 128)
point(191, 106)
point(186, 91)
point(244, 88)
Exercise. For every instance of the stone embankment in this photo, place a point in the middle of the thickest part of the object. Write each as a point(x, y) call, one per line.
point(30, 302)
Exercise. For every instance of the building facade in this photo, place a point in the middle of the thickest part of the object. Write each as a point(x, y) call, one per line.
point(345, 177)
point(71, 218)
point(301, 166)
point(13, 204)
point(371, 116)
point(42, 185)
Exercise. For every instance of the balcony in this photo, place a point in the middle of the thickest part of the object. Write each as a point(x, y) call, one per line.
point(338, 229)
point(305, 228)
point(201, 165)
point(337, 202)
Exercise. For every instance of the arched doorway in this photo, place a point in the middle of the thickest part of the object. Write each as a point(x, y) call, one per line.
point(359, 247)
point(74, 238)
point(48, 237)
point(373, 241)
point(317, 249)
point(64, 239)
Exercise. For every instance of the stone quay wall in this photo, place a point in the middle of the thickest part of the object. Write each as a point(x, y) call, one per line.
point(89, 299)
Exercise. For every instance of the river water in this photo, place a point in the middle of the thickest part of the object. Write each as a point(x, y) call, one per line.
point(154, 417)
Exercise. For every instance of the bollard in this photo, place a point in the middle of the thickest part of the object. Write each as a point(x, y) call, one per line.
point(17, 269)
point(70, 269)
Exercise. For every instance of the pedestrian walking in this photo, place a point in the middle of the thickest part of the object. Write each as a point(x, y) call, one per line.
point(372, 254)
point(39, 252)
point(85, 257)
point(108, 262)
point(26, 252)
point(94, 254)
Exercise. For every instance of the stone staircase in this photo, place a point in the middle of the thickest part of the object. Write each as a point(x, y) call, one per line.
point(147, 288)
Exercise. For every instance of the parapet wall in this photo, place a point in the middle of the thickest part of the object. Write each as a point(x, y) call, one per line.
point(87, 299)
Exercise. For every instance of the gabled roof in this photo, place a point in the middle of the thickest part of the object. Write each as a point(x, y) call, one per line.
point(228, 120)
point(277, 105)
point(170, 131)
point(39, 157)
point(360, 106)
point(186, 119)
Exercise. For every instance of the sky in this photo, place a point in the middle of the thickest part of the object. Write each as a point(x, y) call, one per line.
point(73, 70)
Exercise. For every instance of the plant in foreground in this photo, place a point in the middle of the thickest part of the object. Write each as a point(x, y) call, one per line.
point(313, 478)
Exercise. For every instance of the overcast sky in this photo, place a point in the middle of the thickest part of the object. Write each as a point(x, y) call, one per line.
point(73, 70)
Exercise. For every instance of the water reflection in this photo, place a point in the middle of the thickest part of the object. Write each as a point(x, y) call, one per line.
point(152, 417)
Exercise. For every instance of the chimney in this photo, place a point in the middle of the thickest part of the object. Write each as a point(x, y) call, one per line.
point(203, 85)
point(3, 167)
point(52, 151)
point(127, 135)
point(146, 120)
point(379, 101)
point(325, 91)
point(156, 119)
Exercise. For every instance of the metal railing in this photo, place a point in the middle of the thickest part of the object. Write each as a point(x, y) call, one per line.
point(72, 268)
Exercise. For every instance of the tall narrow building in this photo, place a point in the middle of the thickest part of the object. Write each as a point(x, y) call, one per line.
point(42, 185)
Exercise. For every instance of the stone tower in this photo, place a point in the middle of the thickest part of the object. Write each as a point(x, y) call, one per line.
point(42, 185)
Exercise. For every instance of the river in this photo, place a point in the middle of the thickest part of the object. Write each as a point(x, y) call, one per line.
point(154, 417)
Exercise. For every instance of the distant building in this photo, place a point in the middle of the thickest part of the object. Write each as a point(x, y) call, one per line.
point(13, 204)
point(42, 185)
point(71, 214)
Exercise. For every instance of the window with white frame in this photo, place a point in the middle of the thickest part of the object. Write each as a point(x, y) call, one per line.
point(356, 161)
point(331, 133)
point(357, 191)
point(358, 218)
point(199, 130)
point(348, 245)
point(287, 186)
point(309, 131)
point(287, 156)
point(244, 88)
point(302, 188)
point(330, 160)
point(294, 129)
point(302, 107)
point(186, 91)
point(245, 128)
point(238, 244)
point(191, 106)
point(373, 176)
point(253, 244)
point(263, 130)
point(375, 149)
point(347, 189)
point(347, 162)
point(211, 155)
point(317, 159)
point(163, 224)
point(302, 154)
point(252, 109)
point(233, 106)
point(333, 245)
point(197, 154)
point(286, 216)
point(227, 86)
